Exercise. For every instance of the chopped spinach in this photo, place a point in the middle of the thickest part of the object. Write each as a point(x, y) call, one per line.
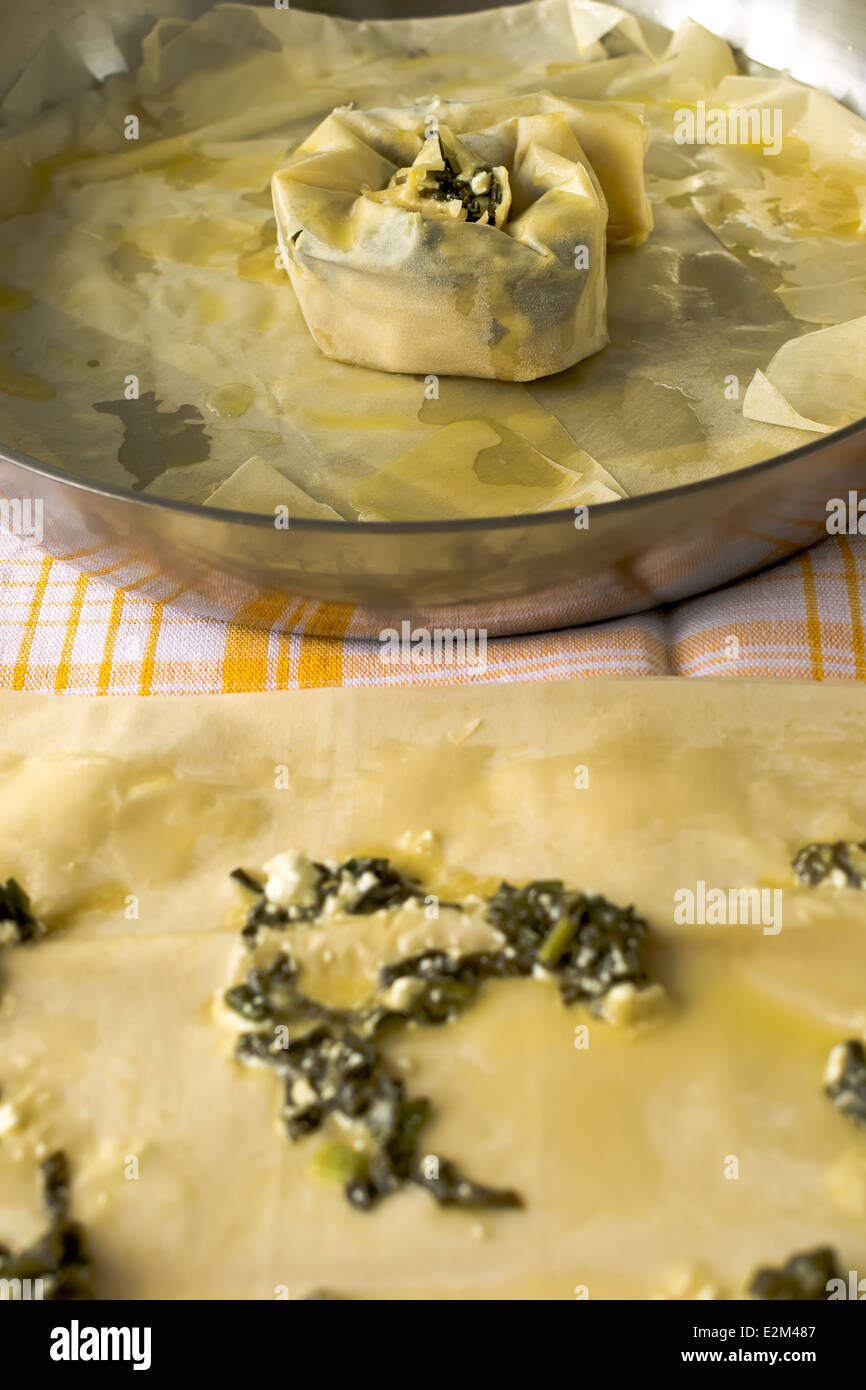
point(59, 1258)
point(18, 925)
point(246, 880)
point(588, 943)
point(845, 1078)
point(803, 1278)
point(446, 985)
point(841, 863)
point(337, 1067)
point(359, 885)
point(450, 184)
point(17, 922)
point(451, 1189)
point(331, 1061)
point(271, 995)
point(390, 889)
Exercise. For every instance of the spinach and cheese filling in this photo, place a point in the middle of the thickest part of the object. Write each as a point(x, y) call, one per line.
point(805, 1277)
point(841, 864)
point(337, 1067)
point(333, 1062)
point(446, 181)
point(18, 924)
point(845, 1079)
point(297, 890)
point(592, 946)
point(17, 921)
point(57, 1266)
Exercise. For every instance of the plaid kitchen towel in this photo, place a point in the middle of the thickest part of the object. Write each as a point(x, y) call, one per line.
point(73, 633)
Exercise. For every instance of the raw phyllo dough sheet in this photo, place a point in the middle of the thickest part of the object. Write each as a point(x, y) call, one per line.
point(662, 1122)
point(151, 336)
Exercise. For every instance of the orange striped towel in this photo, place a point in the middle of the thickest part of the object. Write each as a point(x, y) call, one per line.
point(68, 632)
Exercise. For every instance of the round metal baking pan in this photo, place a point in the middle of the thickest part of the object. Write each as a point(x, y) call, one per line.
point(507, 575)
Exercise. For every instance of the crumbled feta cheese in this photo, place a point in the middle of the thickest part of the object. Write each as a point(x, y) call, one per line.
point(837, 1063)
point(291, 881)
point(402, 992)
point(303, 1093)
point(9, 1118)
point(626, 1005)
point(415, 843)
point(348, 893)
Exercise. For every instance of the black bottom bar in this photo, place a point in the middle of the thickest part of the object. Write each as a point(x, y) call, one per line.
point(254, 1340)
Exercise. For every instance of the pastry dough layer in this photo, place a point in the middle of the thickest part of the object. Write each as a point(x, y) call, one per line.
point(391, 273)
point(113, 1045)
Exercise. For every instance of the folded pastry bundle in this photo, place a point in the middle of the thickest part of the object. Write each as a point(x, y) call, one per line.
point(463, 238)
